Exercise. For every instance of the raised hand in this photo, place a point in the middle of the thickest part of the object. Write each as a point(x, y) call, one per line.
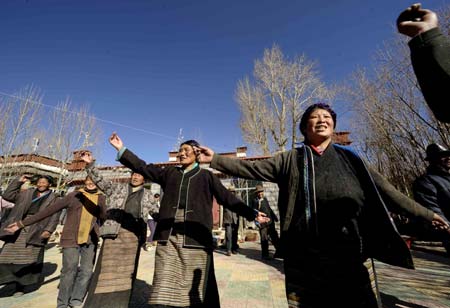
point(24, 178)
point(415, 20)
point(204, 154)
point(115, 141)
point(87, 157)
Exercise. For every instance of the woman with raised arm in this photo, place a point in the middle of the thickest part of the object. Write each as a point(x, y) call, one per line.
point(123, 232)
point(22, 255)
point(184, 267)
point(332, 209)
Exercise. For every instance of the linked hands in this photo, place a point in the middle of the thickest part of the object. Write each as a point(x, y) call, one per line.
point(415, 20)
point(439, 223)
point(204, 154)
point(12, 228)
point(45, 235)
point(262, 218)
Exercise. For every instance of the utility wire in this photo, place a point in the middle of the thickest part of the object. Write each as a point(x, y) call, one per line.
point(94, 117)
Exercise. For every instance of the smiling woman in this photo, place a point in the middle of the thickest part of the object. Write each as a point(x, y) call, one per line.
point(333, 210)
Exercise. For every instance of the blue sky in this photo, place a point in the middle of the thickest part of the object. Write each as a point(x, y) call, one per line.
point(159, 66)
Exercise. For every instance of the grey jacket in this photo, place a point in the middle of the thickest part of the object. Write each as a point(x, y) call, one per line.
point(283, 170)
point(116, 197)
point(22, 200)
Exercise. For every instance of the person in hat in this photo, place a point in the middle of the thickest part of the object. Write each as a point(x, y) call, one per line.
point(432, 189)
point(22, 256)
point(333, 215)
point(266, 231)
point(231, 224)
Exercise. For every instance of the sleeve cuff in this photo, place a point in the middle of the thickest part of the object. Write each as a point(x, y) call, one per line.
point(120, 153)
point(424, 38)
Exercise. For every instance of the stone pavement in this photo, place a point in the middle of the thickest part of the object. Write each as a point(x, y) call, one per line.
point(245, 281)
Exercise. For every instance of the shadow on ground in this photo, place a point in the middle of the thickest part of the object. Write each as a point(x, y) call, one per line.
point(390, 301)
point(48, 269)
point(141, 293)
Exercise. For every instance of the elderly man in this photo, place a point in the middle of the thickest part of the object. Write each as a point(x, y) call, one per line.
point(231, 223)
point(432, 189)
point(266, 231)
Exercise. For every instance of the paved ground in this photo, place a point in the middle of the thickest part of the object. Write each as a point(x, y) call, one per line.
point(245, 281)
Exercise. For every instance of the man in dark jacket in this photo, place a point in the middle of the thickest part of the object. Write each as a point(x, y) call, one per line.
point(266, 231)
point(430, 56)
point(231, 223)
point(432, 189)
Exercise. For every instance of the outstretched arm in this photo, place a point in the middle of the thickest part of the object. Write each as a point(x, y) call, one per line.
point(265, 170)
point(92, 172)
point(396, 201)
point(430, 56)
point(130, 160)
point(50, 210)
point(13, 190)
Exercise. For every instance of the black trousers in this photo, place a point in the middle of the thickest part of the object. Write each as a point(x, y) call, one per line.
point(268, 233)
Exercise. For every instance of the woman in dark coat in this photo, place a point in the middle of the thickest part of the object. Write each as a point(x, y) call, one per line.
point(332, 209)
point(184, 267)
point(22, 256)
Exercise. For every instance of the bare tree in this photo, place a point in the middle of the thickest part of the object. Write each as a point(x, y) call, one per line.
point(70, 128)
point(254, 116)
point(21, 115)
point(393, 122)
point(271, 104)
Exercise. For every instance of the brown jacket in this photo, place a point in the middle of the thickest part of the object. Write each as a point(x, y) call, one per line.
point(74, 203)
point(22, 200)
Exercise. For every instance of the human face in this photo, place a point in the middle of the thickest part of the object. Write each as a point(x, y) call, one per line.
point(137, 179)
point(319, 127)
point(187, 155)
point(445, 162)
point(42, 184)
point(89, 184)
point(260, 194)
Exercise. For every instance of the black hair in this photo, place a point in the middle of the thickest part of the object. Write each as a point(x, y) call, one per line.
point(35, 178)
point(192, 143)
point(310, 110)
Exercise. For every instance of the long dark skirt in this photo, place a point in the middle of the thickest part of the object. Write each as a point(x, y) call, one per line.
point(21, 263)
point(316, 280)
point(184, 277)
point(115, 272)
